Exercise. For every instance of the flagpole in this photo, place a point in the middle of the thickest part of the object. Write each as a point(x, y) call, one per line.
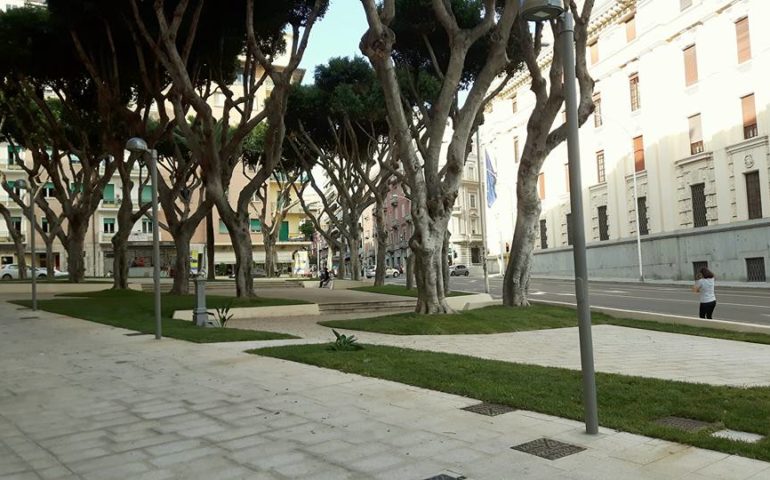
point(483, 195)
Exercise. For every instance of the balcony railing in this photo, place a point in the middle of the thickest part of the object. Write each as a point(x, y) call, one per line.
point(106, 237)
point(750, 131)
point(696, 148)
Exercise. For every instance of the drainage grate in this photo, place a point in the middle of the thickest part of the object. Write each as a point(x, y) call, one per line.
point(489, 409)
point(122, 361)
point(136, 334)
point(685, 424)
point(29, 318)
point(444, 476)
point(548, 449)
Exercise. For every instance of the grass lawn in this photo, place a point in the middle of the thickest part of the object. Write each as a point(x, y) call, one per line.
point(626, 403)
point(400, 290)
point(503, 319)
point(135, 311)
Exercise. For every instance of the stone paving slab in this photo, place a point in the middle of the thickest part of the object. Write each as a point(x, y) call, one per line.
point(242, 416)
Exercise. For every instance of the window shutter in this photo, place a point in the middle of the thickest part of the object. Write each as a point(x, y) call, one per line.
point(749, 116)
point(541, 186)
point(690, 66)
point(639, 153)
point(594, 47)
point(630, 29)
point(743, 39)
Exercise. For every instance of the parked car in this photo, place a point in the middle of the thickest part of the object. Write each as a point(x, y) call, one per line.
point(458, 271)
point(255, 273)
point(11, 272)
point(389, 272)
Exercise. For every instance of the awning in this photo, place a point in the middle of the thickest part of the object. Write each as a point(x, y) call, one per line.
point(228, 256)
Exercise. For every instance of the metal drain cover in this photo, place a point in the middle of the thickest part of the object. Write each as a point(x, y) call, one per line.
point(444, 476)
point(136, 334)
point(29, 318)
point(489, 409)
point(685, 424)
point(548, 449)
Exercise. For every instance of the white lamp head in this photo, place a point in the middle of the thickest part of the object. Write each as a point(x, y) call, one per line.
point(136, 145)
point(539, 10)
point(21, 184)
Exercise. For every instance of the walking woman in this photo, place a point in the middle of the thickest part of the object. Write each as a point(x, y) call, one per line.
point(705, 287)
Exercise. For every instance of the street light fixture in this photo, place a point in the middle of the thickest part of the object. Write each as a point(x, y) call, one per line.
point(138, 146)
point(32, 188)
point(540, 10)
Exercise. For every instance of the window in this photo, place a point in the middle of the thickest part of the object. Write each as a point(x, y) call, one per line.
point(45, 226)
point(630, 29)
point(108, 225)
point(514, 103)
point(641, 211)
point(108, 195)
point(48, 190)
point(684, 4)
point(255, 226)
point(690, 66)
point(696, 134)
point(594, 48)
point(222, 227)
point(541, 186)
point(569, 229)
point(604, 233)
point(146, 225)
point(515, 149)
point(633, 85)
point(743, 39)
point(543, 234)
point(16, 221)
point(699, 204)
point(14, 155)
point(474, 226)
point(753, 195)
point(600, 175)
point(475, 255)
point(597, 109)
point(749, 117)
point(146, 195)
point(755, 269)
point(696, 266)
point(472, 197)
point(639, 153)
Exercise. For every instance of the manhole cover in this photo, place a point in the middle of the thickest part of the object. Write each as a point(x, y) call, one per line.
point(685, 424)
point(136, 334)
point(548, 449)
point(30, 318)
point(489, 409)
point(122, 361)
point(444, 476)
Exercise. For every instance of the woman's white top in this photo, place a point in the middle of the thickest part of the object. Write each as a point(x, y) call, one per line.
point(706, 290)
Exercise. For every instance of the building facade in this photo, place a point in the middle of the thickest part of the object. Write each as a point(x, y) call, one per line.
point(676, 153)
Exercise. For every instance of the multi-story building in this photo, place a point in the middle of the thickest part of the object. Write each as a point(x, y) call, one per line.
point(679, 139)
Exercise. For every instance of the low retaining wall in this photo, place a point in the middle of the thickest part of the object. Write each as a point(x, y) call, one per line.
point(240, 313)
point(472, 302)
point(664, 318)
point(339, 284)
point(26, 287)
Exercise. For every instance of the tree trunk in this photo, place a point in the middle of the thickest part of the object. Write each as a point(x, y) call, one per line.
point(48, 240)
point(182, 238)
point(271, 256)
point(444, 265)
point(212, 266)
point(382, 245)
point(355, 260)
point(241, 239)
point(516, 282)
point(120, 260)
point(409, 271)
point(75, 248)
point(430, 282)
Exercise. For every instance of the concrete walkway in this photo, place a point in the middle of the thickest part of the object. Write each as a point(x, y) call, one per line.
point(82, 400)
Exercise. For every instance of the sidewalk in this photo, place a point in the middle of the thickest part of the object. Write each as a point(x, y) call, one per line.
point(83, 400)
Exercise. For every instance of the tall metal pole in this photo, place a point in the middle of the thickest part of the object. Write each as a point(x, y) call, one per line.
point(153, 154)
point(483, 205)
point(33, 192)
point(567, 45)
point(638, 232)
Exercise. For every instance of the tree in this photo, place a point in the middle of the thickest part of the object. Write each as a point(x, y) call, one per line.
point(250, 41)
point(307, 229)
point(541, 140)
point(339, 124)
point(439, 47)
point(18, 240)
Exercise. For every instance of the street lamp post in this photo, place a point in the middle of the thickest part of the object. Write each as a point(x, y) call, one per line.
point(139, 146)
point(32, 188)
point(483, 205)
point(539, 10)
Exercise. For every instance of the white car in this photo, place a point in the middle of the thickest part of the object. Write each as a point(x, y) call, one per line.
point(389, 272)
point(11, 272)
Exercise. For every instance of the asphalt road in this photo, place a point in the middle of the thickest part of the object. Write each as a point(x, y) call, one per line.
point(750, 305)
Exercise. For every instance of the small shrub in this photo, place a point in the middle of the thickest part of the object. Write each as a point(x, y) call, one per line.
point(345, 342)
point(223, 315)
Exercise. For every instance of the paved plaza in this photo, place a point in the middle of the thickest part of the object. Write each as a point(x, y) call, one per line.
point(83, 400)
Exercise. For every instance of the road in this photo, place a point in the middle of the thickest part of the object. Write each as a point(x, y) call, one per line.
point(750, 305)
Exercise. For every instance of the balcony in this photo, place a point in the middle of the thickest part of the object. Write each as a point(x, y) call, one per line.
point(113, 204)
point(7, 238)
point(139, 237)
point(106, 237)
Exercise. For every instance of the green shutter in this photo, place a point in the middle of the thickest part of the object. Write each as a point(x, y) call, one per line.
point(283, 234)
point(146, 194)
point(109, 193)
point(76, 187)
point(256, 225)
point(13, 154)
point(222, 227)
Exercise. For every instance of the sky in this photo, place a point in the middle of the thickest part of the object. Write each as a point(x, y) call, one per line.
point(336, 35)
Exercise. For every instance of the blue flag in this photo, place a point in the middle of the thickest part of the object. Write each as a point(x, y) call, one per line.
point(491, 181)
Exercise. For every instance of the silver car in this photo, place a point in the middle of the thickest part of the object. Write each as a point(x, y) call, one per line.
point(11, 272)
